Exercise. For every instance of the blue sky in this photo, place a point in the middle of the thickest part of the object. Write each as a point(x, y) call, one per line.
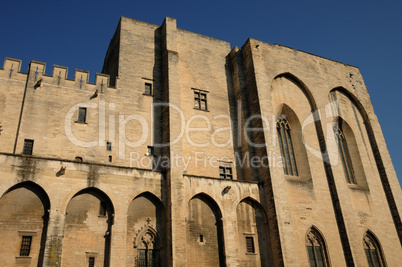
point(366, 34)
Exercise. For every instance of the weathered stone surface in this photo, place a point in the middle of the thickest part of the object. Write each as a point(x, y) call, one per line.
point(158, 191)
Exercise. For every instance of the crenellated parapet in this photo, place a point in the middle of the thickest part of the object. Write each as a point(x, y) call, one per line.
point(12, 65)
point(36, 73)
point(12, 69)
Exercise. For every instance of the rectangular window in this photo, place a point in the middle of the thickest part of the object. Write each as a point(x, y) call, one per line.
point(250, 244)
point(91, 262)
point(109, 146)
point(148, 89)
point(28, 147)
point(25, 246)
point(110, 159)
point(200, 100)
point(225, 173)
point(82, 115)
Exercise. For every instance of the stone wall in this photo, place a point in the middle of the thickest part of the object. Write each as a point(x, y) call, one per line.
point(178, 161)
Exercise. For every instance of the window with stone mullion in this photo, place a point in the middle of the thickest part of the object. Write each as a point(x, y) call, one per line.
point(345, 157)
point(372, 251)
point(286, 147)
point(316, 250)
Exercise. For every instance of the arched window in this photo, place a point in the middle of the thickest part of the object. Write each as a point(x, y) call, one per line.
point(345, 155)
point(286, 146)
point(148, 248)
point(373, 251)
point(316, 249)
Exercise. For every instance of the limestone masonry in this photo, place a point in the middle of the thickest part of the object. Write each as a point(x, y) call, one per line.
point(185, 152)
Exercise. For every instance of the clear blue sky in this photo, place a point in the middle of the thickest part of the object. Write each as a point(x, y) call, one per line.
point(366, 34)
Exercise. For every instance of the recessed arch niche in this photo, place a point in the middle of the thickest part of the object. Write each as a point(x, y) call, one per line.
point(88, 228)
point(204, 232)
point(24, 215)
point(253, 236)
point(146, 231)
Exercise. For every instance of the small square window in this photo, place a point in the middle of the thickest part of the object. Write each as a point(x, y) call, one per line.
point(250, 244)
point(225, 173)
point(150, 151)
point(25, 249)
point(82, 115)
point(109, 146)
point(28, 147)
point(200, 100)
point(148, 89)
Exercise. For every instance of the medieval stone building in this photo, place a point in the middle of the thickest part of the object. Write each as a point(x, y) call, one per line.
point(185, 152)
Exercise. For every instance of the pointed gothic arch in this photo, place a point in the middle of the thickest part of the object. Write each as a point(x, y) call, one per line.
point(88, 227)
point(373, 250)
point(327, 166)
point(316, 248)
point(291, 143)
point(204, 232)
point(148, 245)
point(377, 156)
point(146, 231)
point(24, 217)
point(302, 86)
point(349, 153)
point(253, 234)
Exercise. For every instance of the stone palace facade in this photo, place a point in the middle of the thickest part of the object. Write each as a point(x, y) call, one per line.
point(185, 152)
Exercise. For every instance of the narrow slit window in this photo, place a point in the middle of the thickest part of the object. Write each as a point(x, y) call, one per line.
point(82, 115)
point(110, 159)
point(25, 249)
point(102, 209)
point(28, 147)
point(286, 147)
point(250, 244)
point(91, 262)
point(109, 146)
